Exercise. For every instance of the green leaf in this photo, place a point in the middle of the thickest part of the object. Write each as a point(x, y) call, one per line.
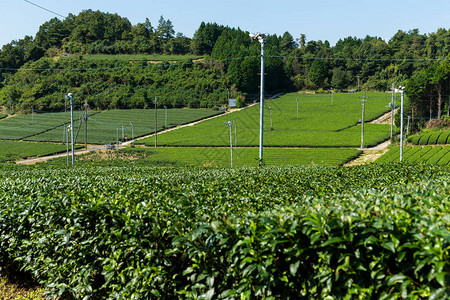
point(397, 278)
point(439, 293)
point(209, 294)
point(440, 278)
point(294, 267)
point(333, 240)
point(389, 246)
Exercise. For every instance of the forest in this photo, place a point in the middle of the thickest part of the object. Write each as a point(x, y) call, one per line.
point(38, 71)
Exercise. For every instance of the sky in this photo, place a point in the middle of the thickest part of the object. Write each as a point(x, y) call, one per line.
point(317, 19)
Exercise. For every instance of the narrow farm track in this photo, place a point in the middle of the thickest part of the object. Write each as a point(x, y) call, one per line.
point(370, 155)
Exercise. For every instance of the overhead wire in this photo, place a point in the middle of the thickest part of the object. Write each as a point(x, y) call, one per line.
point(131, 67)
point(48, 10)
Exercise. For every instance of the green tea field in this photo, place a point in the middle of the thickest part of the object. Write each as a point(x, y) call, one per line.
point(15, 150)
point(215, 157)
point(319, 123)
point(430, 138)
point(368, 232)
point(102, 126)
point(439, 155)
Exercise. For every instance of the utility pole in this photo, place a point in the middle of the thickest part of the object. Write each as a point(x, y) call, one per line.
point(67, 140)
point(132, 133)
point(235, 134)
point(70, 97)
point(156, 125)
point(392, 111)
point(332, 94)
point(165, 119)
point(270, 115)
point(401, 122)
point(407, 128)
point(231, 140)
point(85, 124)
point(364, 99)
point(261, 97)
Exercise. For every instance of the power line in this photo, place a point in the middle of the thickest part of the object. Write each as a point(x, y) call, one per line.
point(361, 59)
point(134, 67)
point(45, 9)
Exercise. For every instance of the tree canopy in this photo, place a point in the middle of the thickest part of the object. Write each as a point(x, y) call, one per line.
point(291, 62)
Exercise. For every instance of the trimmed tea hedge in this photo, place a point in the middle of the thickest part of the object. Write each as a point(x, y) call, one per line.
point(430, 138)
point(377, 231)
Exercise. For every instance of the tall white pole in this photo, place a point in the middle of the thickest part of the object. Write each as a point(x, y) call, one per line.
point(401, 124)
point(332, 95)
point(156, 125)
point(231, 143)
point(132, 133)
point(362, 120)
point(261, 102)
point(71, 128)
point(67, 143)
point(235, 133)
point(165, 119)
point(392, 111)
point(270, 115)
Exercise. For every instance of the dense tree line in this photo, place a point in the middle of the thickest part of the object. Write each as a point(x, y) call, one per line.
point(429, 92)
point(105, 84)
point(292, 63)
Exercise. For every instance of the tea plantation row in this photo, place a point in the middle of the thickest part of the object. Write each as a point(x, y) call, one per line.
point(430, 138)
point(439, 155)
point(376, 231)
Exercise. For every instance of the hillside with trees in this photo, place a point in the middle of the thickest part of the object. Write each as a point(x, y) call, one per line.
point(37, 71)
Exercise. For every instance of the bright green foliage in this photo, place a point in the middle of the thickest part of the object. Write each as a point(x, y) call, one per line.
point(445, 160)
point(11, 151)
point(411, 152)
point(319, 123)
point(102, 126)
point(430, 138)
point(428, 154)
point(218, 157)
point(443, 138)
point(116, 84)
point(414, 139)
point(27, 126)
point(378, 231)
point(438, 156)
point(424, 139)
point(434, 138)
point(420, 154)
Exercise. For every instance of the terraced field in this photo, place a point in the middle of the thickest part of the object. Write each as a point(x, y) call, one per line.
point(439, 155)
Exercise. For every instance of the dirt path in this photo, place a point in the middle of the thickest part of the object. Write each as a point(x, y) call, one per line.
point(370, 155)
